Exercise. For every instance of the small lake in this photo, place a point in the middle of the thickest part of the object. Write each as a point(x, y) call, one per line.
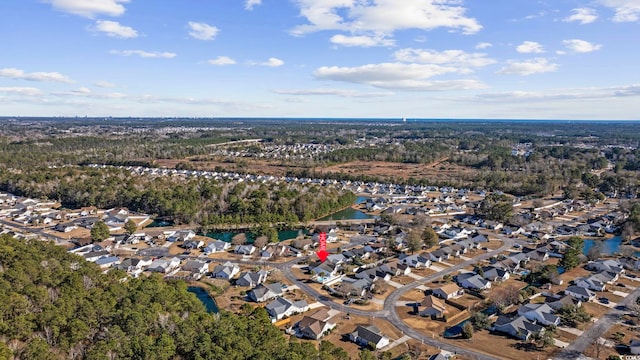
point(159, 223)
point(228, 235)
point(609, 246)
point(347, 214)
point(202, 295)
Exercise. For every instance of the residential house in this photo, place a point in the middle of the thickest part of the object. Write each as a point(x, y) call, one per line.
point(634, 346)
point(518, 327)
point(373, 274)
point(360, 253)
point(364, 336)
point(216, 247)
point(337, 259)
point(493, 225)
point(302, 244)
point(513, 230)
point(92, 256)
point(558, 302)
point(539, 254)
point(316, 325)
point(134, 266)
point(265, 292)
point(65, 228)
point(581, 293)
point(181, 235)
point(244, 249)
point(591, 283)
point(630, 263)
point(324, 272)
point(395, 268)
point(539, 313)
point(448, 291)
point(164, 265)
point(415, 261)
point(355, 287)
point(610, 265)
point(433, 307)
point(192, 244)
point(196, 266)
point(252, 279)
point(478, 239)
point(281, 307)
point(439, 255)
point(473, 282)
point(107, 261)
point(494, 274)
point(225, 271)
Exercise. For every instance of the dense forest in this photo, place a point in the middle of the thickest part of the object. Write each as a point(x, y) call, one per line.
point(207, 202)
point(578, 157)
point(54, 305)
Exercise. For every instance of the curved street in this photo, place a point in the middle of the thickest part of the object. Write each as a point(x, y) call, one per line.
point(389, 311)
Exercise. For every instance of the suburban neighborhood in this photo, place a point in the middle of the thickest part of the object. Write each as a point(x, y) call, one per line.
point(483, 281)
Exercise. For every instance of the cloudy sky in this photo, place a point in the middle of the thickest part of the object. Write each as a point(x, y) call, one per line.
point(522, 59)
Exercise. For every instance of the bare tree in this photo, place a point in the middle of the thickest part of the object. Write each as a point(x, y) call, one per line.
point(239, 239)
point(260, 242)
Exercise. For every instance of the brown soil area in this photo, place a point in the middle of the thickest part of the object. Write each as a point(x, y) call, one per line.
point(437, 170)
point(503, 347)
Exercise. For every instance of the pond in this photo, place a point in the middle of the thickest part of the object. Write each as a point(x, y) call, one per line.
point(347, 214)
point(282, 235)
point(160, 223)
point(609, 246)
point(455, 330)
point(207, 300)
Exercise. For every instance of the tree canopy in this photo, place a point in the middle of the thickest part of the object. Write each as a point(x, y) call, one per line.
point(55, 305)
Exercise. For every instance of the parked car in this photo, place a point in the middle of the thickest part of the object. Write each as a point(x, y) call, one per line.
point(603, 300)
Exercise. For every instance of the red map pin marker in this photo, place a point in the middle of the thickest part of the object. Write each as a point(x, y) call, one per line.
point(322, 249)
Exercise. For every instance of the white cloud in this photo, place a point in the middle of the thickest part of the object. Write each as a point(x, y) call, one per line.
point(581, 46)
point(399, 76)
point(114, 29)
point(529, 67)
point(333, 92)
point(483, 45)
point(90, 8)
point(625, 10)
point(25, 91)
point(450, 57)
point(582, 15)
point(144, 54)
point(250, 4)
point(564, 94)
point(35, 76)
point(104, 84)
point(222, 60)
point(272, 62)
point(383, 16)
point(202, 31)
point(530, 47)
point(361, 40)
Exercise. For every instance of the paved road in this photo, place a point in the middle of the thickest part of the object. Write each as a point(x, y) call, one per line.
point(393, 298)
point(577, 348)
point(33, 230)
point(389, 311)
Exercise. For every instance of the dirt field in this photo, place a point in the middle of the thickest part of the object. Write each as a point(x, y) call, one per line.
point(438, 170)
point(503, 347)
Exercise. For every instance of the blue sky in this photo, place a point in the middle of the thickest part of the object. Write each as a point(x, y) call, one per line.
point(555, 59)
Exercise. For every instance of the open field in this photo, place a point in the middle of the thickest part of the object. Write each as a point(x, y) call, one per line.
point(503, 347)
point(436, 170)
